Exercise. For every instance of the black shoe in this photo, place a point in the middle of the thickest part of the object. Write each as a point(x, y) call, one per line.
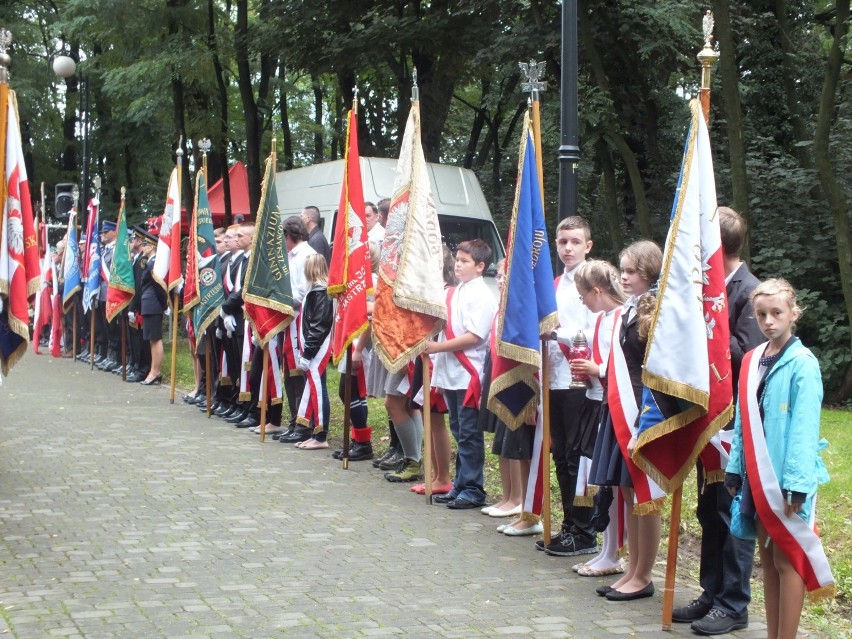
point(539, 544)
point(156, 380)
point(213, 407)
point(117, 370)
point(460, 503)
point(388, 453)
point(300, 434)
point(718, 622)
point(693, 611)
point(249, 422)
point(201, 400)
point(237, 416)
point(603, 591)
point(225, 410)
point(572, 543)
point(106, 364)
point(82, 357)
point(99, 359)
point(444, 499)
point(290, 430)
point(617, 595)
point(135, 377)
point(360, 451)
point(188, 399)
point(392, 461)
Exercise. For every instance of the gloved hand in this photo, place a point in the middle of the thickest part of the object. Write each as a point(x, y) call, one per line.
point(221, 313)
point(255, 340)
point(219, 333)
point(168, 311)
point(131, 317)
point(230, 323)
point(230, 334)
point(303, 364)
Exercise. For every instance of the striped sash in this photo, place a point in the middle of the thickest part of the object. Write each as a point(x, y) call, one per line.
point(624, 411)
point(796, 538)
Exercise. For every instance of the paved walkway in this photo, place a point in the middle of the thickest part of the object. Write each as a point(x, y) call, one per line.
point(122, 516)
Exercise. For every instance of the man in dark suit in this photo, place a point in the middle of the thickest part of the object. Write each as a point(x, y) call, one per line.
point(726, 561)
point(107, 331)
point(140, 353)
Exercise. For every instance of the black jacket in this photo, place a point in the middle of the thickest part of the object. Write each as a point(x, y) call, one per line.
point(153, 298)
point(233, 304)
point(317, 318)
point(745, 333)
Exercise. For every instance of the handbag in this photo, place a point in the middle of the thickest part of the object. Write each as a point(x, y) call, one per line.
point(742, 523)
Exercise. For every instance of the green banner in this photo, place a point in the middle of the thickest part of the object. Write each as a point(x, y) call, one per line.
point(210, 290)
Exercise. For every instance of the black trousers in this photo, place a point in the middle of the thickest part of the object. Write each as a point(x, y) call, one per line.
point(565, 405)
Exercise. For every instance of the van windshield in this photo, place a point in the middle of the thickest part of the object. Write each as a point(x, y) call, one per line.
point(455, 230)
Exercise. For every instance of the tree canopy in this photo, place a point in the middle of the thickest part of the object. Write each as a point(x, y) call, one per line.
point(239, 70)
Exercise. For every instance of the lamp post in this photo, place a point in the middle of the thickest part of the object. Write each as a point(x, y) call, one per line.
point(64, 67)
point(569, 149)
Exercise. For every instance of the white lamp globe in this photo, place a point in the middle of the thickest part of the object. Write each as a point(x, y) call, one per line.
point(64, 66)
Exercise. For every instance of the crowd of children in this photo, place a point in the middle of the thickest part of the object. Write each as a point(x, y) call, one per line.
point(593, 429)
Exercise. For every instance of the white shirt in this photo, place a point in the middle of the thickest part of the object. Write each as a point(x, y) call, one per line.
point(604, 339)
point(573, 317)
point(376, 234)
point(473, 307)
point(296, 260)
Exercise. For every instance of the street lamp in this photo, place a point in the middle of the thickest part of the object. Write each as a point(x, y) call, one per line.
point(64, 67)
point(569, 148)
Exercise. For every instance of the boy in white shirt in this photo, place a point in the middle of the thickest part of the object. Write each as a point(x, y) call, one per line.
point(458, 369)
point(577, 536)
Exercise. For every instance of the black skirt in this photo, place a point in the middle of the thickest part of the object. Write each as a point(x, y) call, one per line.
point(583, 440)
point(152, 327)
point(608, 465)
point(513, 444)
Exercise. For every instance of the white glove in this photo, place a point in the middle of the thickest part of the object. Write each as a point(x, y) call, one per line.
point(131, 317)
point(219, 333)
point(221, 313)
point(167, 312)
point(230, 323)
point(230, 334)
point(303, 364)
point(255, 340)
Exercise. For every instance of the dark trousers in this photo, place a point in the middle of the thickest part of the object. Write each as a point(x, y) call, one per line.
point(233, 354)
point(565, 405)
point(357, 404)
point(726, 561)
point(294, 386)
point(135, 350)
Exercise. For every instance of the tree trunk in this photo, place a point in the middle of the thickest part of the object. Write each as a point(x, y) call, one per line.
point(834, 193)
point(318, 138)
point(643, 213)
point(730, 82)
point(286, 134)
point(789, 75)
point(609, 195)
point(222, 142)
point(252, 122)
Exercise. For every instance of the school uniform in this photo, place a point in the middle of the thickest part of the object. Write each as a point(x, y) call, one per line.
point(566, 404)
point(472, 307)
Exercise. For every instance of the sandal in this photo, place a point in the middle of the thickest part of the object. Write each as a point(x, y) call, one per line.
point(601, 572)
point(420, 489)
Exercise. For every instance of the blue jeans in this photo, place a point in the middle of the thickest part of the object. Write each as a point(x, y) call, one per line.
point(470, 461)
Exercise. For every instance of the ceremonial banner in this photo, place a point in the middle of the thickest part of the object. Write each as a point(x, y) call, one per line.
point(410, 307)
point(167, 265)
point(349, 275)
point(527, 303)
point(203, 293)
point(42, 309)
point(19, 264)
point(92, 257)
point(122, 285)
point(687, 370)
point(267, 293)
point(71, 275)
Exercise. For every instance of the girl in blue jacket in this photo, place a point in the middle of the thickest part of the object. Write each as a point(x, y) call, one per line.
point(775, 451)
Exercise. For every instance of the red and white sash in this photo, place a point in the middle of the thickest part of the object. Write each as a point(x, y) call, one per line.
point(274, 392)
point(245, 363)
point(624, 412)
point(534, 496)
point(310, 405)
point(473, 396)
point(796, 538)
point(584, 493)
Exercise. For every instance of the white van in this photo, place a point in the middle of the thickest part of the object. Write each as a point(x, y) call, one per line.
point(462, 210)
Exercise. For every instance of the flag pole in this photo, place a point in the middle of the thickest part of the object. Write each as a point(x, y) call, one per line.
point(707, 57)
point(347, 409)
point(533, 72)
point(264, 391)
point(427, 387)
point(173, 380)
point(204, 145)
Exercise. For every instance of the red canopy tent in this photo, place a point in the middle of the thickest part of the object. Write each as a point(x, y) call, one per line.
point(240, 207)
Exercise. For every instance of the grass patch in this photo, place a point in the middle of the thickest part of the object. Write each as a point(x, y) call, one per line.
point(832, 619)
